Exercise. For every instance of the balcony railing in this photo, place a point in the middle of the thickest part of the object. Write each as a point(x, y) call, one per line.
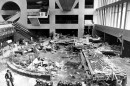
point(38, 14)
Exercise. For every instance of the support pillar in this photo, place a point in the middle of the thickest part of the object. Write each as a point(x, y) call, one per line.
point(52, 16)
point(81, 18)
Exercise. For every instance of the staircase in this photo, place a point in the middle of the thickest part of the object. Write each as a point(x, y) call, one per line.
point(24, 31)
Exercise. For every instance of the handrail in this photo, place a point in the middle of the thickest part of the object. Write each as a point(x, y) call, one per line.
point(24, 30)
point(21, 26)
point(26, 35)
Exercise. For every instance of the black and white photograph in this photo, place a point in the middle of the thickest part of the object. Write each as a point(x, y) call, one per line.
point(64, 42)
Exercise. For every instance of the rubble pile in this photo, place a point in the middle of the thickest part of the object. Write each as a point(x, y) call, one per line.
point(72, 59)
point(101, 71)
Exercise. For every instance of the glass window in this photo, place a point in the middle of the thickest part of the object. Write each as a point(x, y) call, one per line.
point(127, 26)
point(123, 15)
point(116, 15)
point(119, 16)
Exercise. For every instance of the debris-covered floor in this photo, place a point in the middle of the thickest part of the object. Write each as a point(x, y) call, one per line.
point(65, 65)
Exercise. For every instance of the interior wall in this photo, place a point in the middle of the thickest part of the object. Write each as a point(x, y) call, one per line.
point(81, 11)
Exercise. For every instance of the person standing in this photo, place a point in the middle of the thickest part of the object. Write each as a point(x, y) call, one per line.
point(9, 78)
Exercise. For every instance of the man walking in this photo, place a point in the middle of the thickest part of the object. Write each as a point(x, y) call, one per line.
point(9, 78)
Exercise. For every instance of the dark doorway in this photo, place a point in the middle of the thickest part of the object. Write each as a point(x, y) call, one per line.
point(66, 19)
point(41, 32)
point(88, 17)
point(68, 32)
point(126, 50)
point(88, 30)
point(89, 3)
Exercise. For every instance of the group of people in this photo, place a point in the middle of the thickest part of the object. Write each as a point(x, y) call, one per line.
point(60, 83)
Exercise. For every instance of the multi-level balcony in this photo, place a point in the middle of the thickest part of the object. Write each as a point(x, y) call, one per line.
point(42, 12)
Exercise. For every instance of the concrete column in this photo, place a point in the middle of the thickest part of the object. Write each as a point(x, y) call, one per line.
point(81, 26)
point(52, 15)
point(81, 18)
